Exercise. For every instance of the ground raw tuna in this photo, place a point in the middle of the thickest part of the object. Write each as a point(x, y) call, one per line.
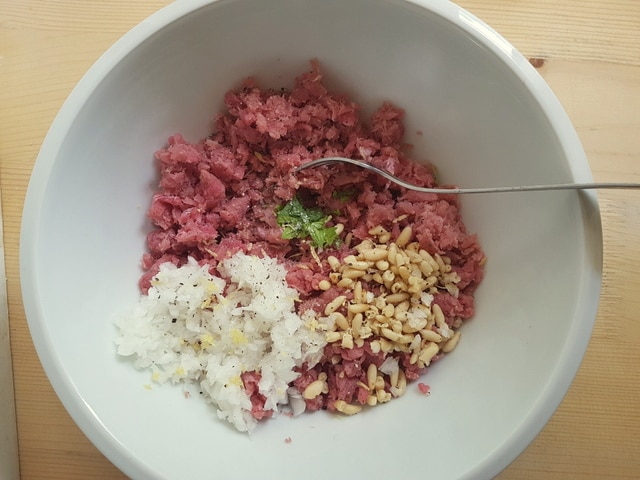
point(218, 197)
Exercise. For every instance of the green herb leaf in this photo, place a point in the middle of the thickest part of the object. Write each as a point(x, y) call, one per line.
point(344, 195)
point(297, 221)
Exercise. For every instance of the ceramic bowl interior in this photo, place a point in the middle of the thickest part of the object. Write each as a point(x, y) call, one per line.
point(474, 107)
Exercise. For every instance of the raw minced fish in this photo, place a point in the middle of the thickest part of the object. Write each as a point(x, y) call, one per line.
point(196, 327)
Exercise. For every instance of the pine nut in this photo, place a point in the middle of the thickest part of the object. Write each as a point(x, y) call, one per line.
point(347, 239)
point(396, 298)
point(356, 324)
point(365, 332)
point(415, 343)
point(313, 390)
point(341, 321)
point(377, 231)
point(413, 255)
point(352, 273)
point(380, 303)
point(428, 352)
point(334, 263)
point(430, 323)
point(324, 285)
point(334, 304)
point(374, 346)
point(388, 276)
point(452, 289)
point(431, 281)
point(380, 319)
point(357, 293)
point(347, 341)
point(345, 283)
point(349, 259)
point(398, 287)
point(404, 237)
point(372, 374)
point(331, 337)
point(404, 271)
point(357, 307)
point(412, 327)
point(390, 334)
point(393, 378)
point(396, 325)
point(385, 345)
point(372, 400)
point(402, 307)
point(366, 244)
point(425, 268)
point(434, 265)
point(383, 396)
point(372, 312)
point(339, 228)
point(402, 383)
point(393, 253)
point(405, 340)
point(388, 310)
point(438, 315)
point(359, 265)
point(413, 247)
point(362, 385)
point(374, 254)
point(431, 336)
point(451, 343)
point(382, 265)
point(346, 408)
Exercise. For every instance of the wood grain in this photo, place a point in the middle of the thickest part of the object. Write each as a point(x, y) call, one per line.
point(9, 461)
point(591, 53)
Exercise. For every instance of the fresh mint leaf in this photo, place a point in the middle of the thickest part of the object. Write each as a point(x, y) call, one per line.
point(298, 221)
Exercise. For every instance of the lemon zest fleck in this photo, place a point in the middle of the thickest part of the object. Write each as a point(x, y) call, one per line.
point(206, 340)
point(238, 337)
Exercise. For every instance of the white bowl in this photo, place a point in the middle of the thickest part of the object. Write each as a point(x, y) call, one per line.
point(487, 119)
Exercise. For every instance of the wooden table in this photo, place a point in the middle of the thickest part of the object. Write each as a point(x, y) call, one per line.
point(587, 50)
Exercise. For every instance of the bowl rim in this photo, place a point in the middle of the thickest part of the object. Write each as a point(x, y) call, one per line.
point(580, 332)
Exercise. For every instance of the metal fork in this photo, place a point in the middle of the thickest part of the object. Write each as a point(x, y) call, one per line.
point(522, 188)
